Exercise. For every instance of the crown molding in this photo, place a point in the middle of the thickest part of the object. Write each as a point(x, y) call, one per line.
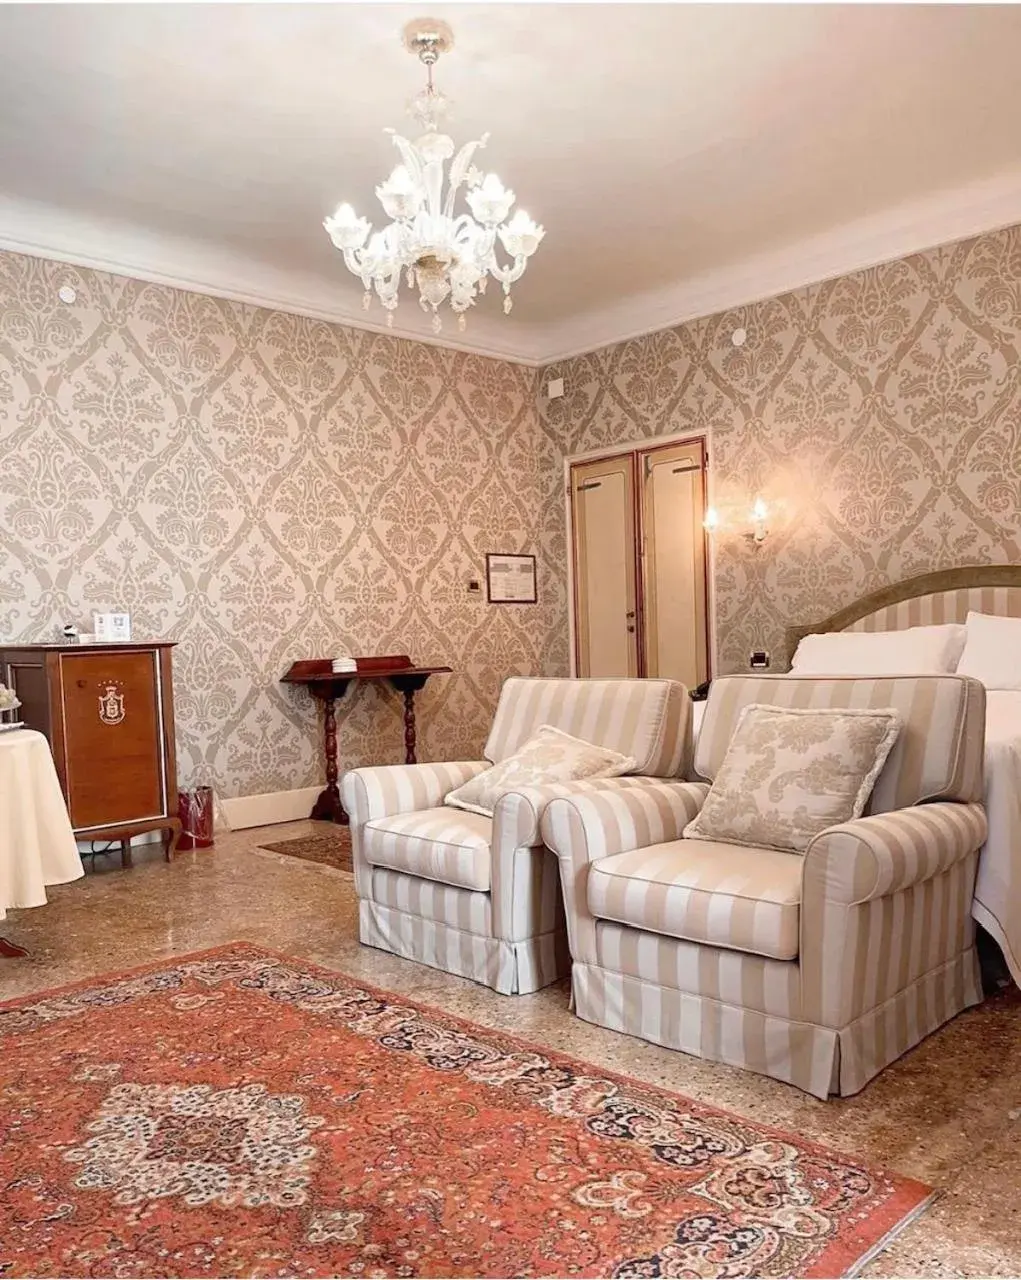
point(938, 219)
point(44, 231)
point(47, 232)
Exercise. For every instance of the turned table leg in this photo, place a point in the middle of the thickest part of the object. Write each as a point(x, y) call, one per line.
point(328, 807)
point(409, 727)
point(407, 686)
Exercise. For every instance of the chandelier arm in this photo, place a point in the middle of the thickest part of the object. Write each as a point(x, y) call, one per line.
point(353, 262)
point(387, 284)
point(510, 274)
point(412, 159)
point(432, 183)
point(459, 170)
point(464, 225)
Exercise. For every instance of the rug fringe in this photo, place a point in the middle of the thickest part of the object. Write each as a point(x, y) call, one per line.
point(905, 1222)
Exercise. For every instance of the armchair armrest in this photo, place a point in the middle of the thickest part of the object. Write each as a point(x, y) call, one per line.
point(889, 852)
point(402, 788)
point(525, 875)
point(517, 818)
point(860, 946)
point(588, 825)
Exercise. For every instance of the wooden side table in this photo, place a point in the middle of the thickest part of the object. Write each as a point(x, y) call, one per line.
point(329, 687)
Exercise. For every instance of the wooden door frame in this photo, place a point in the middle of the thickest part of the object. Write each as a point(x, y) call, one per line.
point(649, 444)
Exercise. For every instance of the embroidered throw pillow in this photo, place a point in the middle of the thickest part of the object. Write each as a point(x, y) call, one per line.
point(790, 773)
point(549, 756)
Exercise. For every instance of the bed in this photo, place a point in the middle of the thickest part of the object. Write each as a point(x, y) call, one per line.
point(947, 596)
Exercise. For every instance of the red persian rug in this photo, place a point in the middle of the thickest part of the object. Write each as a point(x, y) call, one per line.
point(239, 1113)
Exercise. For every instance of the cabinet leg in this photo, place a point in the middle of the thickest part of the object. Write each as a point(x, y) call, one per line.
point(173, 830)
point(126, 852)
point(9, 950)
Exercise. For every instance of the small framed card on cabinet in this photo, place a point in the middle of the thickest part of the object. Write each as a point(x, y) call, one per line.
point(510, 579)
point(109, 628)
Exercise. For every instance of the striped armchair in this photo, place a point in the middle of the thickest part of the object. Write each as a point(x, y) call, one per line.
point(819, 969)
point(480, 896)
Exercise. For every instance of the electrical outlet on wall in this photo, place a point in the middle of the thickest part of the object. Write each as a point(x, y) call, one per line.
point(758, 660)
point(474, 587)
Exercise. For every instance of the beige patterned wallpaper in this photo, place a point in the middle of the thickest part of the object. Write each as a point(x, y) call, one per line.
point(879, 416)
point(262, 487)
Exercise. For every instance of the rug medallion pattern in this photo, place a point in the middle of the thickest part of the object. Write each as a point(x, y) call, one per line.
point(240, 1113)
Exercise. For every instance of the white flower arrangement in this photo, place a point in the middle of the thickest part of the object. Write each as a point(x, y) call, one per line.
point(8, 699)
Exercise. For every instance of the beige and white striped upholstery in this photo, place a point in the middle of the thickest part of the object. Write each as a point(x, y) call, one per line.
point(464, 910)
point(997, 902)
point(885, 940)
point(942, 606)
point(481, 897)
point(939, 750)
point(645, 719)
point(700, 891)
point(444, 844)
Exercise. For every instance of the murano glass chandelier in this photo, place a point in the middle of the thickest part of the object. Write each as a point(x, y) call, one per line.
point(447, 256)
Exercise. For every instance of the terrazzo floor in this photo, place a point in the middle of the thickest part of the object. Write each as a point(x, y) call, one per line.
point(949, 1113)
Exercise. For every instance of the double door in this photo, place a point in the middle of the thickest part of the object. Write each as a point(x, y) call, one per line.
point(641, 597)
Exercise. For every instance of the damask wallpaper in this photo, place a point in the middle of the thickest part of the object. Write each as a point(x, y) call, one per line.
point(261, 487)
point(879, 416)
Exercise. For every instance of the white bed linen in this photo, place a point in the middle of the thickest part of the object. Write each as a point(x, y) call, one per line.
point(997, 905)
point(997, 902)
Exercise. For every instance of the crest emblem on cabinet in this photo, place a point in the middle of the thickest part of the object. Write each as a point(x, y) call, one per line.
point(111, 703)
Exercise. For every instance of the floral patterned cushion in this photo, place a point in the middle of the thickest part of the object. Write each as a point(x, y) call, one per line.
point(790, 773)
point(549, 756)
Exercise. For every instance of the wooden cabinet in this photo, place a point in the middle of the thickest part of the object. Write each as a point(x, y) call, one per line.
point(108, 712)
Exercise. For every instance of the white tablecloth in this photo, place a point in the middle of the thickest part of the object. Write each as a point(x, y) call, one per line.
point(37, 845)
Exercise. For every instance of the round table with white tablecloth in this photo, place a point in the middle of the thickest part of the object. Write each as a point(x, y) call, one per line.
point(37, 845)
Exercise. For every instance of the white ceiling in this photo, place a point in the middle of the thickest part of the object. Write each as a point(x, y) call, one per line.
point(681, 157)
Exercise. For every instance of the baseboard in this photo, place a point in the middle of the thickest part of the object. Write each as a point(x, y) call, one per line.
point(270, 807)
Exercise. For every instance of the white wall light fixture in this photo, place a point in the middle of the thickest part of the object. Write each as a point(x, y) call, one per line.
point(758, 522)
point(759, 530)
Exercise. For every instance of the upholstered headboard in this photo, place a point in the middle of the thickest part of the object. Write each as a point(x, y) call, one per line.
point(944, 596)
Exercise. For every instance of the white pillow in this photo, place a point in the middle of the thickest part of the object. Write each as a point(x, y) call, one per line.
point(992, 651)
point(550, 756)
point(916, 651)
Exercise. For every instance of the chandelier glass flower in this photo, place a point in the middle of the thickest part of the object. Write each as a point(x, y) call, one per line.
point(447, 256)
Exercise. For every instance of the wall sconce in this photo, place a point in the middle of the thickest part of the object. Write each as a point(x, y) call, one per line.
point(758, 532)
point(757, 519)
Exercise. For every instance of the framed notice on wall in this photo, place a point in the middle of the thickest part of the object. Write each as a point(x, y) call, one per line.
point(510, 579)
